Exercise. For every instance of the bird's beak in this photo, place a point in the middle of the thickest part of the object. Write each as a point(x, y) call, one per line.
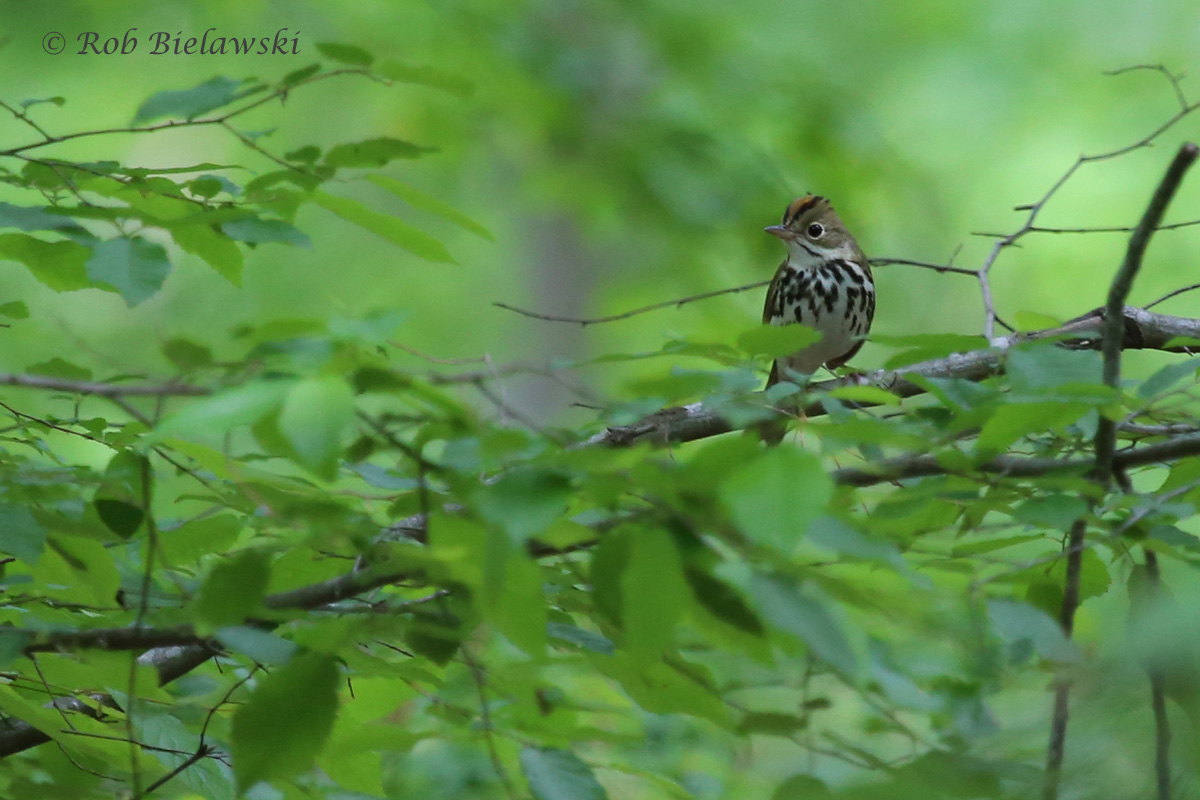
point(781, 232)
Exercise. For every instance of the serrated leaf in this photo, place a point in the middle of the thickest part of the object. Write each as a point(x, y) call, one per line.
point(215, 248)
point(58, 368)
point(424, 202)
point(315, 416)
point(1010, 422)
point(60, 266)
point(282, 727)
point(134, 268)
point(345, 54)
point(776, 340)
point(394, 230)
point(33, 218)
point(559, 775)
point(191, 103)
point(373, 152)
point(774, 498)
point(233, 589)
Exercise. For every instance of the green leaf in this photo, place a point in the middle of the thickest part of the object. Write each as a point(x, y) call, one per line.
point(425, 76)
point(583, 638)
point(373, 153)
point(216, 249)
point(395, 231)
point(1166, 378)
point(1054, 511)
point(260, 231)
point(776, 340)
point(187, 355)
point(1043, 366)
point(304, 155)
point(12, 645)
point(26, 218)
point(243, 405)
point(1010, 422)
point(419, 200)
point(58, 368)
point(280, 730)
point(524, 501)
point(555, 774)
point(315, 416)
point(345, 54)
point(1018, 622)
point(134, 268)
point(774, 498)
point(654, 593)
point(191, 103)
point(302, 74)
point(14, 310)
point(233, 590)
point(60, 266)
point(119, 500)
point(783, 604)
point(257, 644)
point(21, 536)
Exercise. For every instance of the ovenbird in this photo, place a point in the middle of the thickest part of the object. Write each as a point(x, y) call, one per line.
point(824, 282)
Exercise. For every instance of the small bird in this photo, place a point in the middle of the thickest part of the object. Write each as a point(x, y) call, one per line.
point(824, 282)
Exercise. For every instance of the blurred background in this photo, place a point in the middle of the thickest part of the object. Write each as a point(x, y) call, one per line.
point(627, 153)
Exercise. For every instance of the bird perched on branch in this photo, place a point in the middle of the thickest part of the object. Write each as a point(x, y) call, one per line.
point(825, 283)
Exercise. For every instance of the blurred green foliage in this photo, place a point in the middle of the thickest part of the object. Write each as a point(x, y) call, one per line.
point(717, 620)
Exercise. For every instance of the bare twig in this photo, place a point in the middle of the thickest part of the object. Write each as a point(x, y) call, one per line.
point(101, 389)
point(221, 119)
point(585, 321)
point(1159, 68)
point(1176, 293)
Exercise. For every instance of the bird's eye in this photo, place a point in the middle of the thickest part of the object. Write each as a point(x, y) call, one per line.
point(815, 230)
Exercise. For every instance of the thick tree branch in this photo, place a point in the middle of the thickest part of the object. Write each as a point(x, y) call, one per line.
point(1142, 330)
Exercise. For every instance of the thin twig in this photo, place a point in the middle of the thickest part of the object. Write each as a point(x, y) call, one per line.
point(101, 389)
point(1169, 295)
point(1159, 68)
point(585, 321)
